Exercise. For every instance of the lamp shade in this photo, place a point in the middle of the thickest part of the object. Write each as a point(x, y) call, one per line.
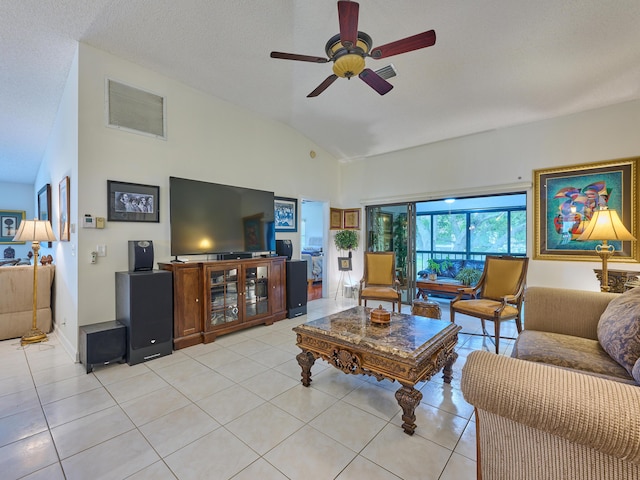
point(606, 225)
point(35, 231)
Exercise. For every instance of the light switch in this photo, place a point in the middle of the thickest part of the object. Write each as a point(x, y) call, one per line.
point(102, 250)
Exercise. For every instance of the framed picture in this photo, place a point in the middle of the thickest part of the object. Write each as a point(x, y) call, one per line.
point(565, 199)
point(132, 202)
point(286, 212)
point(64, 223)
point(44, 206)
point(335, 219)
point(344, 264)
point(352, 218)
point(10, 220)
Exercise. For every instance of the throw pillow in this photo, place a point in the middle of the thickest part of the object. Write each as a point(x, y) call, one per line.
point(636, 371)
point(619, 329)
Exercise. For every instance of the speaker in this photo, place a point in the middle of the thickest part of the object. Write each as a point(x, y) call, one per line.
point(140, 255)
point(235, 255)
point(284, 248)
point(296, 288)
point(144, 303)
point(102, 343)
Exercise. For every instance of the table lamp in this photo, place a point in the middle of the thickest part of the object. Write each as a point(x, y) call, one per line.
point(34, 231)
point(605, 225)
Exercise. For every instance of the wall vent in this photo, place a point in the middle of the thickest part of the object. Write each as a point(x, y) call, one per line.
point(129, 108)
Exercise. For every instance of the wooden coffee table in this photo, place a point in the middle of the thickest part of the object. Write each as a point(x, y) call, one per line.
point(410, 349)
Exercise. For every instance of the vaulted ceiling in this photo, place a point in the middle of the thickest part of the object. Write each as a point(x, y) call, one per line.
point(495, 63)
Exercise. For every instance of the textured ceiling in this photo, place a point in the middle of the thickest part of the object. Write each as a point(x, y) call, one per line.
point(496, 63)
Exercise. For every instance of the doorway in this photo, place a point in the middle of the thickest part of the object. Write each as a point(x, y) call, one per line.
point(313, 239)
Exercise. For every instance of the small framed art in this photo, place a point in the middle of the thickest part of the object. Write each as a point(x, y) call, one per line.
point(335, 219)
point(352, 218)
point(132, 202)
point(44, 206)
point(286, 213)
point(344, 264)
point(9, 222)
point(64, 222)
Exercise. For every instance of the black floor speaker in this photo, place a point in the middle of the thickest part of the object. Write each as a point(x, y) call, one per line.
point(144, 303)
point(296, 288)
point(102, 343)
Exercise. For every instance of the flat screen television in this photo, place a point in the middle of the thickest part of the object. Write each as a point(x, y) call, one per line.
point(210, 218)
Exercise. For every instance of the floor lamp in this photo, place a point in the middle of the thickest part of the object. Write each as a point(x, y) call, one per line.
point(605, 225)
point(34, 231)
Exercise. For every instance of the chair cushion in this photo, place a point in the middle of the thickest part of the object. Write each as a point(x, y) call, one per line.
point(379, 293)
point(485, 308)
point(567, 351)
point(619, 329)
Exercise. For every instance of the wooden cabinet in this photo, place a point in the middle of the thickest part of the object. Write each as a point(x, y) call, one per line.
point(214, 298)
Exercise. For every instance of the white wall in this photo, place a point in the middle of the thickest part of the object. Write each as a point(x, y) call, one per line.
point(502, 160)
point(208, 140)
point(61, 160)
point(18, 196)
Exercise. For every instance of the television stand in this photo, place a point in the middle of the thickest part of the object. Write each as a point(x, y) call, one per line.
point(176, 260)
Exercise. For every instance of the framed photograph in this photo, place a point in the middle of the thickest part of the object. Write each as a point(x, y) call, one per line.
point(286, 212)
point(335, 219)
point(64, 223)
point(352, 219)
point(44, 207)
point(344, 264)
point(10, 220)
point(132, 202)
point(565, 199)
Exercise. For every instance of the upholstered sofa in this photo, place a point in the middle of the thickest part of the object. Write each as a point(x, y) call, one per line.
point(567, 405)
point(16, 299)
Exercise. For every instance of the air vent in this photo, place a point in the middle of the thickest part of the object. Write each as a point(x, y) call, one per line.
point(387, 72)
point(135, 110)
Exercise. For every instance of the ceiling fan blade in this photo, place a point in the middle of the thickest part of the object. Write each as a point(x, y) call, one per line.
point(295, 56)
point(375, 81)
point(323, 86)
point(415, 42)
point(348, 17)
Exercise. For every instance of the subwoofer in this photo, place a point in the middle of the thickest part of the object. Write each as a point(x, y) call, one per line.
point(140, 255)
point(296, 288)
point(102, 343)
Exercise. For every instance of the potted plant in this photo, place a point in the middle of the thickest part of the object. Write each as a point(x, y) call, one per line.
point(346, 240)
point(437, 267)
point(469, 276)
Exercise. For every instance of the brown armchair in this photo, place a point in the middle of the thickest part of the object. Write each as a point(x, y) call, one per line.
point(379, 281)
point(498, 296)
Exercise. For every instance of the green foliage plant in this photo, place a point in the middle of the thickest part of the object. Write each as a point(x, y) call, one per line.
point(469, 276)
point(346, 240)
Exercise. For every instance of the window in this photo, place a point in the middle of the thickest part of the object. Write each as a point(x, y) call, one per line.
point(471, 228)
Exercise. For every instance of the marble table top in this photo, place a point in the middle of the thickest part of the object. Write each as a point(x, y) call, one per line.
point(404, 336)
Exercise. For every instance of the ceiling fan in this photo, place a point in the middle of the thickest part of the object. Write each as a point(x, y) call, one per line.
point(348, 49)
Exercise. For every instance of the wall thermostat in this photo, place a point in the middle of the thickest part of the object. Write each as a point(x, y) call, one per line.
point(88, 222)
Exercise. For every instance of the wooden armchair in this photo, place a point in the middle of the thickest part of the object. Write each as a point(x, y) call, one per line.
point(498, 296)
point(379, 281)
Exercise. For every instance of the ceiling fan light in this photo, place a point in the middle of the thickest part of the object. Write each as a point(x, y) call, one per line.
point(348, 66)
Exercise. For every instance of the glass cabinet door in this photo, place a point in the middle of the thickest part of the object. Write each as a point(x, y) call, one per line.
point(256, 301)
point(223, 283)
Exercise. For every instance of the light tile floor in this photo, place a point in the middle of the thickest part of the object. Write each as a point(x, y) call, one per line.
point(234, 408)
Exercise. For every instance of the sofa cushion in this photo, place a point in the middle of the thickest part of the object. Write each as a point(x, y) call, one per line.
point(619, 329)
point(571, 352)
